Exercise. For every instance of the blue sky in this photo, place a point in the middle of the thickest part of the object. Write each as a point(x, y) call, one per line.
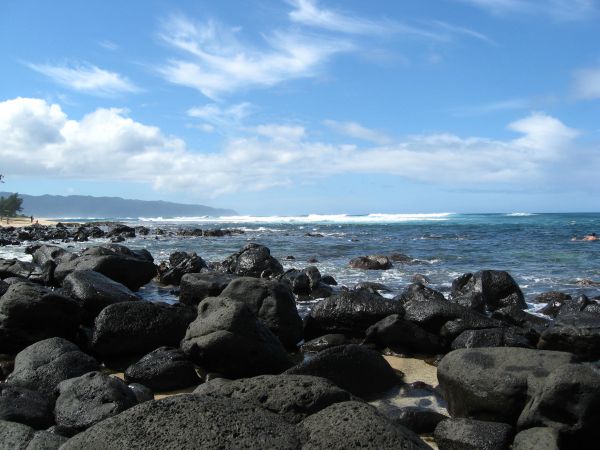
point(306, 106)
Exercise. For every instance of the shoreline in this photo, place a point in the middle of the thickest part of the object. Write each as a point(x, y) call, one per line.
point(20, 222)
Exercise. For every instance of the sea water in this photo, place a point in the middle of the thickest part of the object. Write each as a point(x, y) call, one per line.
point(538, 250)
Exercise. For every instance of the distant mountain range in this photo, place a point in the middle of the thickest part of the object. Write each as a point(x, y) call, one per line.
point(56, 206)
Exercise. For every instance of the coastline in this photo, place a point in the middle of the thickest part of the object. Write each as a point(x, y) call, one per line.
point(19, 222)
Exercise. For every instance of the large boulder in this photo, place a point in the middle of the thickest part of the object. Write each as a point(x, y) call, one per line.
point(537, 438)
point(371, 262)
point(131, 268)
point(180, 263)
point(294, 397)
point(164, 369)
point(496, 288)
point(355, 368)
point(578, 333)
point(136, 328)
point(568, 401)
point(349, 312)
point(26, 406)
point(43, 365)
point(493, 383)
point(19, 436)
point(418, 292)
point(495, 337)
point(400, 334)
point(30, 313)
point(195, 287)
point(253, 260)
point(356, 425)
point(190, 421)
point(228, 338)
point(88, 399)
point(467, 434)
point(94, 292)
point(27, 271)
point(273, 302)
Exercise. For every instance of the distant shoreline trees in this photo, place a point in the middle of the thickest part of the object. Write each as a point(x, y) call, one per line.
point(11, 205)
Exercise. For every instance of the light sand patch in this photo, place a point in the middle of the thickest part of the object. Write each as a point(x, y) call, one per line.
point(19, 222)
point(414, 369)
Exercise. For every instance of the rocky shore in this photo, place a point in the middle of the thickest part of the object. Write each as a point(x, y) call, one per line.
point(85, 363)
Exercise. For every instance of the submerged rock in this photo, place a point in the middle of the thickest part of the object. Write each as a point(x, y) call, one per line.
point(371, 262)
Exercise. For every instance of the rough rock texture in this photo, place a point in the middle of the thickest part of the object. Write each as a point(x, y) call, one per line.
point(355, 368)
point(43, 365)
point(30, 313)
point(324, 342)
point(294, 397)
point(354, 425)
point(189, 421)
point(495, 337)
point(14, 435)
point(569, 401)
point(164, 369)
point(492, 383)
point(227, 338)
point(51, 253)
point(180, 263)
point(89, 399)
point(467, 434)
point(22, 269)
point(253, 260)
point(26, 406)
point(416, 418)
point(537, 438)
point(349, 312)
point(273, 303)
point(496, 287)
point(136, 328)
point(44, 440)
point(94, 292)
point(371, 262)
point(131, 268)
point(397, 333)
point(195, 287)
point(578, 333)
point(419, 292)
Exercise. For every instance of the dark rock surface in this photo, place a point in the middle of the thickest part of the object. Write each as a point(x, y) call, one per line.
point(43, 365)
point(44, 440)
point(495, 337)
point(14, 435)
point(324, 342)
point(164, 369)
point(497, 288)
point(355, 368)
point(397, 333)
point(30, 313)
point(371, 262)
point(136, 328)
point(94, 292)
point(294, 397)
point(420, 293)
point(419, 419)
point(180, 263)
point(467, 434)
point(253, 260)
point(26, 406)
point(578, 333)
point(190, 421)
point(273, 302)
point(536, 439)
point(142, 393)
point(228, 338)
point(492, 383)
point(22, 269)
point(354, 425)
point(349, 312)
point(195, 287)
point(86, 400)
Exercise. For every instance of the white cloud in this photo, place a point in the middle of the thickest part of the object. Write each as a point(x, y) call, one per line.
point(218, 116)
point(556, 9)
point(586, 84)
point(86, 78)
point(356, 130)
point(219, 63)
point(37, 138)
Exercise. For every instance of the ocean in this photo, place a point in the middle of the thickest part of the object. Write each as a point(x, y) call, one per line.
point(536, 249)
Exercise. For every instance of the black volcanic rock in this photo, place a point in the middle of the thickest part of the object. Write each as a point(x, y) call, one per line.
point(253, 260)
point(496, 287)
point(371, 262)
point(195, 287)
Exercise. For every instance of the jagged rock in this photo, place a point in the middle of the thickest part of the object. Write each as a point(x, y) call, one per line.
point(136, 328)
point(467, 434)
point(418, 292)
point(253, 260)
point(164, 369)
point(190, 421)
point(497, 288)
point(294, 397)
point(181, 263)
point(195, 287)
point(43, 365)
point(355, 368)
point(228, 338)
point(578, 333)
point(22, 269)
point(371, 262)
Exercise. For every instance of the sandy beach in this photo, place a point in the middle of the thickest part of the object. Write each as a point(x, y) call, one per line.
point(25, 221)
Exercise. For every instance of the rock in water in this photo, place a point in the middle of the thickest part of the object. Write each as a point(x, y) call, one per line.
point(294, 397)
point(355, 368)
point(228, 338)
point(181, 263)
point(30, 313)
point(89, 399)
point(195, 287)
point(371, 262)
point(492, 383)
point(164, 369)
point(94, 292)
point(467, 434)
point(497, 288)
point(190, 421)
point(354, 425)
point(578, 333)
point(254, 260)
point(43, 365)
point(136, 328)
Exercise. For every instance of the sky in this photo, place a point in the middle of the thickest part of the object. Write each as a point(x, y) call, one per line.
point(305, 106)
